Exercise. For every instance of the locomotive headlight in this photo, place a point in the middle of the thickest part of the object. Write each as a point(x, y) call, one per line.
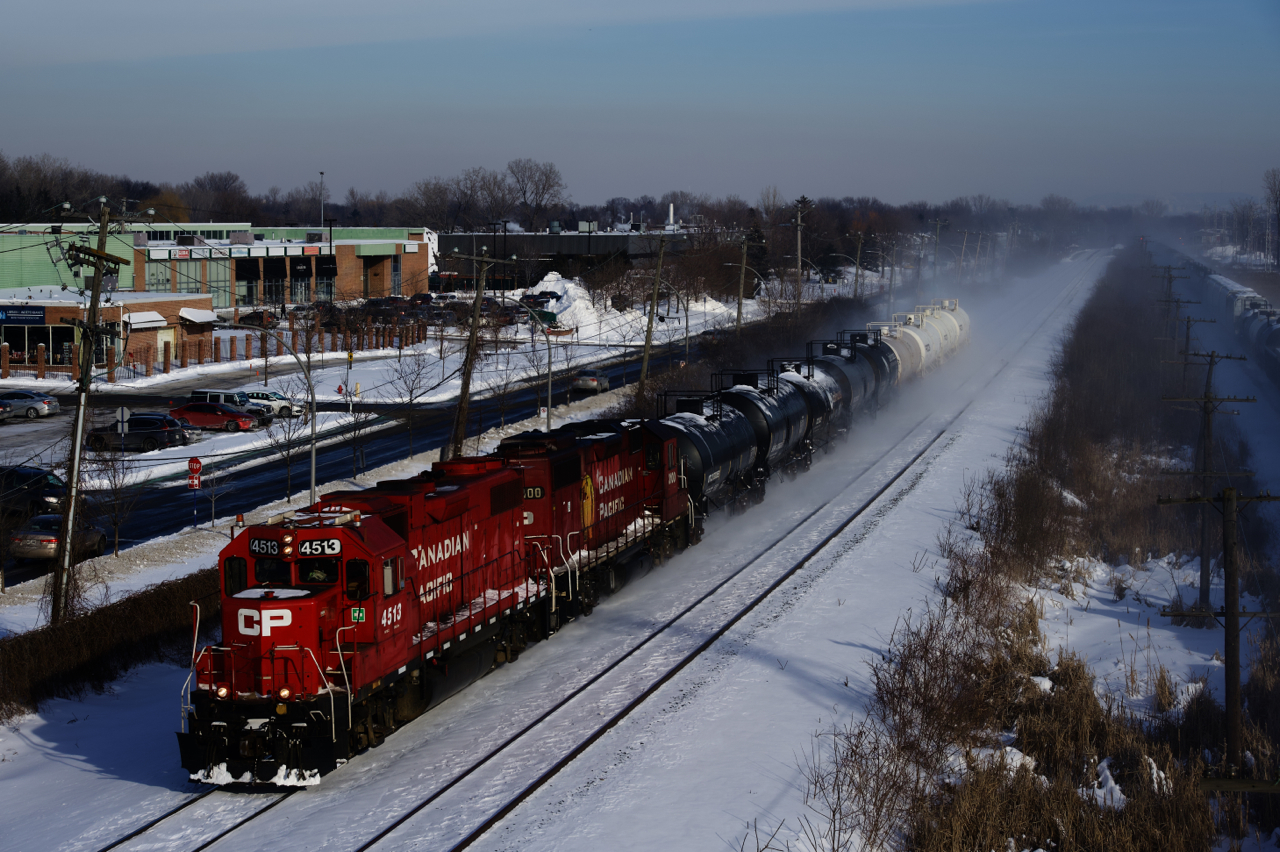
point(288, 539)
point(222, 692)
point(285, 693)
point(287, 550)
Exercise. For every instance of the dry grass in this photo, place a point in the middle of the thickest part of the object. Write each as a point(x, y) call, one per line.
point(91, 650)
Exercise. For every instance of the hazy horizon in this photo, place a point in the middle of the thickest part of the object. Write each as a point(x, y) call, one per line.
point(904, 101)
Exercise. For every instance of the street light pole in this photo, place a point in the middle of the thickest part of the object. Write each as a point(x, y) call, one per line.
point(322, 199)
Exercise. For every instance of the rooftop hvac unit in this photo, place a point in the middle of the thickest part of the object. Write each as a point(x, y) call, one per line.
point(554, 227)
point(140, 239)
point(315, 237)
point(241, 238)
point(186, 239)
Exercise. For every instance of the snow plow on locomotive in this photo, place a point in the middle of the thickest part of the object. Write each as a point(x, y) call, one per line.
point(344, 620)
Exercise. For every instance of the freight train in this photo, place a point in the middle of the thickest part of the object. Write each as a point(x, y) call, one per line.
point(346, 619)
point(1253, 319)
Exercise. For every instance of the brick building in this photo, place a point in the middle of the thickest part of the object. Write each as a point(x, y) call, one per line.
point(231, 263)
point(33, 334)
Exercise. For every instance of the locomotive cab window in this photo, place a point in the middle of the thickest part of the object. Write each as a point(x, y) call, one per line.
point(272, 571)
point(652, 457)
point(235, 575)
point(357, 579)
point(321, 571)
point(671, 455)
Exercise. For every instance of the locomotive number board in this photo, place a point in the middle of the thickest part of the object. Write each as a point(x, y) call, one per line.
point(264, 546)
point(320, 547)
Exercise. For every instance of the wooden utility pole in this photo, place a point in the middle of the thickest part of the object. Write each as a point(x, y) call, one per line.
point(1231, 500)
point(799, 230)
point(1209, 405)
point(857, 268)
point(459, 435)
point(937, 238)
point(90, 332)
point(653, 309)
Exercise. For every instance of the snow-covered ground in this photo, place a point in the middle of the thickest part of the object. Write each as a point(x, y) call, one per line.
point(713, 750)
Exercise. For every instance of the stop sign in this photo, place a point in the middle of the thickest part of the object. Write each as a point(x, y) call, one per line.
point(194, 465)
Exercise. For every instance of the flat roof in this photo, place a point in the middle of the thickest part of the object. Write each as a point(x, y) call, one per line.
point(57, 297)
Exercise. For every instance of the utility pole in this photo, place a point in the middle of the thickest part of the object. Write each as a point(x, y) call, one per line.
point(653, 309)
point(1209, 405)
point(857, 267)
point(742, 279)
point(937, 238)
point(90, 332)
point(468, 365)
point(799, 270)
point(963, 243)
point(1231, 500)
point(1186, 348)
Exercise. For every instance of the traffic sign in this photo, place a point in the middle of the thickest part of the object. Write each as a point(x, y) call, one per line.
point(122, 420)
point(194, 465)
point(193, 480)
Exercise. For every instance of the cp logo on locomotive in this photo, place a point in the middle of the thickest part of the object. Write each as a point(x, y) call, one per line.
point(251, 623)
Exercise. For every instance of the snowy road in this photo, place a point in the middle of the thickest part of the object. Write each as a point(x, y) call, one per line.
point(715, 747)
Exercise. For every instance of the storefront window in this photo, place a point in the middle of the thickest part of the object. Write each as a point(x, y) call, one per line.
point(324, 289)
point(159, 276)
point(189, 276)
point(220, 283)
point(246, 293)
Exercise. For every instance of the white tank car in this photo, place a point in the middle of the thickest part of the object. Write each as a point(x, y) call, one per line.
point(907, 344)
point(950, 329)
point(929, 331)
point(951, 308)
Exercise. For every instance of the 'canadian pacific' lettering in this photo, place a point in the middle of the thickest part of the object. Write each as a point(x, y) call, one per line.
point(449, 547)
point(613, 480)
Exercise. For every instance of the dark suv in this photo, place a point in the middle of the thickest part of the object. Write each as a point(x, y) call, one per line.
point(30, 491)
point(147, 432)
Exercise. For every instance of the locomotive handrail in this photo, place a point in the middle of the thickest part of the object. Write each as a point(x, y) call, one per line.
point(337, 641)
point(186, 689)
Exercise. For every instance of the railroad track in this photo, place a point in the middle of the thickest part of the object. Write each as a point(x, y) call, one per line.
point(528, 737)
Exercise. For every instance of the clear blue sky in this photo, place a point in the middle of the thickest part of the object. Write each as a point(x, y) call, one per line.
point(1104, 102)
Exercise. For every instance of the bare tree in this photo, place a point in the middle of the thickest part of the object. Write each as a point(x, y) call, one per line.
point(1271, 191)
point(215, 483)
point(288, 436)
point(410, 379)
point(116, 475)
point(361, 419)
point(539, 187)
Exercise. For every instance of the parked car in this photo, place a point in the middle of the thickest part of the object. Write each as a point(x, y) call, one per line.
point(30, 404)
point(147, 432)
point(421, 298)
point(6, 409)
point(262, 319)
point(238, 400)
point(280, 405)
point(591, 380)
point(30, 490)
point(213, 415)
point(38, 538)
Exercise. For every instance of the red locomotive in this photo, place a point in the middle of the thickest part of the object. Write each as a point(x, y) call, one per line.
point(344, 620)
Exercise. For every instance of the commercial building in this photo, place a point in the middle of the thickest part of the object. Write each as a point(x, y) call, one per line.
point(34, 333)
point(232, 263)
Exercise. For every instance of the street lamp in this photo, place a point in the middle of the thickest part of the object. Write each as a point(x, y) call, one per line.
point(322, 199)
point(311, 388)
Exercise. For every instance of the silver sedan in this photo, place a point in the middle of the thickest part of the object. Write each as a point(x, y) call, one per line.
point(30, 404)
point(38, 539)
